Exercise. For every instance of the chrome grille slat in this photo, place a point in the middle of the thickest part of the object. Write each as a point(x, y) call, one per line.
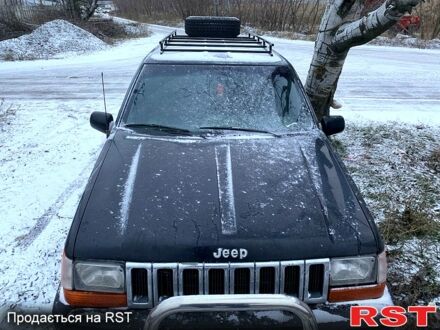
point(156, 269)
point(182, 267)
point(284, 265)
point(147, 302)
point(262, 265)
point(244, 265)
point(310, 297)
point(259, 277)
point(208, 267)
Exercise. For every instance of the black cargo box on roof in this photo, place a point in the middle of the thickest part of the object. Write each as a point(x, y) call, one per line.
point(212, 26)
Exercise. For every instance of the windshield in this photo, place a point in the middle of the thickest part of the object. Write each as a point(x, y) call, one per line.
point(198, 97)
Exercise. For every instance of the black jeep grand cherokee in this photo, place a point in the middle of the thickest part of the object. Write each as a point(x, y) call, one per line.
point(216, 179)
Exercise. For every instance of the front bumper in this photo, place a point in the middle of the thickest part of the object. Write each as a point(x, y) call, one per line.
point(328, 316)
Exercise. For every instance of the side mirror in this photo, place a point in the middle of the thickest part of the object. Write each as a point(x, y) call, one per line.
point(333, 125)
point(101, 121)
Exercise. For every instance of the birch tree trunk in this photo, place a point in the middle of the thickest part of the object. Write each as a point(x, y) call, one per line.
point(335, 38)
point(80, 9)
point(90, 7)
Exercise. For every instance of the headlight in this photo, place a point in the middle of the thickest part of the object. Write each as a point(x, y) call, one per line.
point(99, 277)
point(353, 271)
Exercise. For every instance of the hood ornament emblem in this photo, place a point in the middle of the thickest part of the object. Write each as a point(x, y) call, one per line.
point(230, 253)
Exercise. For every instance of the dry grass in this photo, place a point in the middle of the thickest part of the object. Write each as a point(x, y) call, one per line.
point(106, 30)
point(340, 148)
point(433, 161)
point(420, 287)
point(6, 112)
point(413, 277)
point(8, 57)
point(394, 168)
point(13, 30)
point(411, 223)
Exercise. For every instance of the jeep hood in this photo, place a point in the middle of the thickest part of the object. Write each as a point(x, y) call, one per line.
point(161, 199)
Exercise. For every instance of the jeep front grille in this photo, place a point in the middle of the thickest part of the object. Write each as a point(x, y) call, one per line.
point(268, 281)
point(291, 283)
point(216, 281)
point(139, 284)
point(148, 284)
point(190, 282)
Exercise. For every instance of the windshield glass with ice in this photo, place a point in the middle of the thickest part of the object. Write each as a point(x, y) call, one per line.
point(193, 97)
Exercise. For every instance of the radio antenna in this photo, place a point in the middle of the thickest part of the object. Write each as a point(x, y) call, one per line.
point(103, 92)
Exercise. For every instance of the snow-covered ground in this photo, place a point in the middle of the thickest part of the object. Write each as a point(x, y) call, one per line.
point(52, 39)
point(47, 148)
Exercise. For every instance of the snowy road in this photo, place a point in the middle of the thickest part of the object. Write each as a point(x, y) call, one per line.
point(374, 78)
point(47, 148)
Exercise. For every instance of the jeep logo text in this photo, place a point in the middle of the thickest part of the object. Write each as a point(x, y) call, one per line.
point(230, 253)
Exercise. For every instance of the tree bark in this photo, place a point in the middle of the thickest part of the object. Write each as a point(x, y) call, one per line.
point(80, 9)
point(90, 8)
point(335, 38)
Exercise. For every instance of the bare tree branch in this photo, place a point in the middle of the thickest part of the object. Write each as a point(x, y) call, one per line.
point(335, 38)
point(90, 8)
point(371, 26)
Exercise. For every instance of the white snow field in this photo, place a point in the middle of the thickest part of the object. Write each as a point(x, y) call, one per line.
point(47, 147)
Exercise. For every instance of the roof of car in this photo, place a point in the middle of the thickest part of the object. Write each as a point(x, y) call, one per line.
point(241, 50)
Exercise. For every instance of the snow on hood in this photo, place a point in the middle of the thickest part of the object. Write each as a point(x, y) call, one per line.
point(156, 197)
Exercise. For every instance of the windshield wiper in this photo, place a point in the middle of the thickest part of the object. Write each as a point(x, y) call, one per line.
point(227, 128)
point(170, 129)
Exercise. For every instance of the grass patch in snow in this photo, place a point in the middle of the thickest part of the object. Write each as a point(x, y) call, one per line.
point(393, 166)
point(6, 112)
point(433, 160)
point(7, 56)
point(132, 29)
point(111, 30)
point(339, 147)
point(411, 223)
point(396, 168)
point(413, 274)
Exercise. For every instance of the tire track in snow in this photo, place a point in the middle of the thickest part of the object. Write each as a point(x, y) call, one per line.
point(26, 240)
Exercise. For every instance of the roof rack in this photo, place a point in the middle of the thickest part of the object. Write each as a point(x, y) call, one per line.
point(244, 44)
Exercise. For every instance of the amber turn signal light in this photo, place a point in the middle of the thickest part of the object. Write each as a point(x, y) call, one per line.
point(95, 299)
point(356, 293)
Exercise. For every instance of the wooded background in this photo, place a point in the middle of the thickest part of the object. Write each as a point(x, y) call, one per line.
point(301, 16)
